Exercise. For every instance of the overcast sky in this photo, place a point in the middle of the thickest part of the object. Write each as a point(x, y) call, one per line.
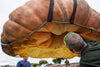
point(7, 6)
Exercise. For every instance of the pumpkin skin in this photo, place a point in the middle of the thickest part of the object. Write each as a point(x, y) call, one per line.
point(47, 42)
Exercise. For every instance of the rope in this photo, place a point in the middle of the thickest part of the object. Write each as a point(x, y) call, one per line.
point(77, 25)
point(26, 35)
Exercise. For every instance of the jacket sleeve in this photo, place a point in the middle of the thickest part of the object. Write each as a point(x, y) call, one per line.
point(18, 64)
point(29, 64)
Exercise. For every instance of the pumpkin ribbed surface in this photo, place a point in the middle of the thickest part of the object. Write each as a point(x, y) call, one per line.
point(47, 42)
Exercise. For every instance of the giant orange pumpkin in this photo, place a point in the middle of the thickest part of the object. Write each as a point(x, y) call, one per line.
point(47, 42)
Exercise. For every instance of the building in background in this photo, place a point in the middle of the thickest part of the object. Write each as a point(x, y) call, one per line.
point(65, 65)
point(7, 66)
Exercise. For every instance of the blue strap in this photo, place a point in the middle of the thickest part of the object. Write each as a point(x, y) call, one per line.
point(50, 14)
point(74, 11)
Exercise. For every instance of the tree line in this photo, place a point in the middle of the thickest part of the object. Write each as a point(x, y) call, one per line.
point(45, 62)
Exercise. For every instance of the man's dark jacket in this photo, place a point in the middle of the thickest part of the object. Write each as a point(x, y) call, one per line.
point(90, 56)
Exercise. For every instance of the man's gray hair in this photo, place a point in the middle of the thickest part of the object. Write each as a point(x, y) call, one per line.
point(74, 42)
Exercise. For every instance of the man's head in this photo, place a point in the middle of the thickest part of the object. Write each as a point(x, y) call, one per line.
point(25, 58)
point(74, 42)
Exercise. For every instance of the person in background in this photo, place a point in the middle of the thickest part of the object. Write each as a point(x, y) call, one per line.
point(88, 50)
point(24, 63)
